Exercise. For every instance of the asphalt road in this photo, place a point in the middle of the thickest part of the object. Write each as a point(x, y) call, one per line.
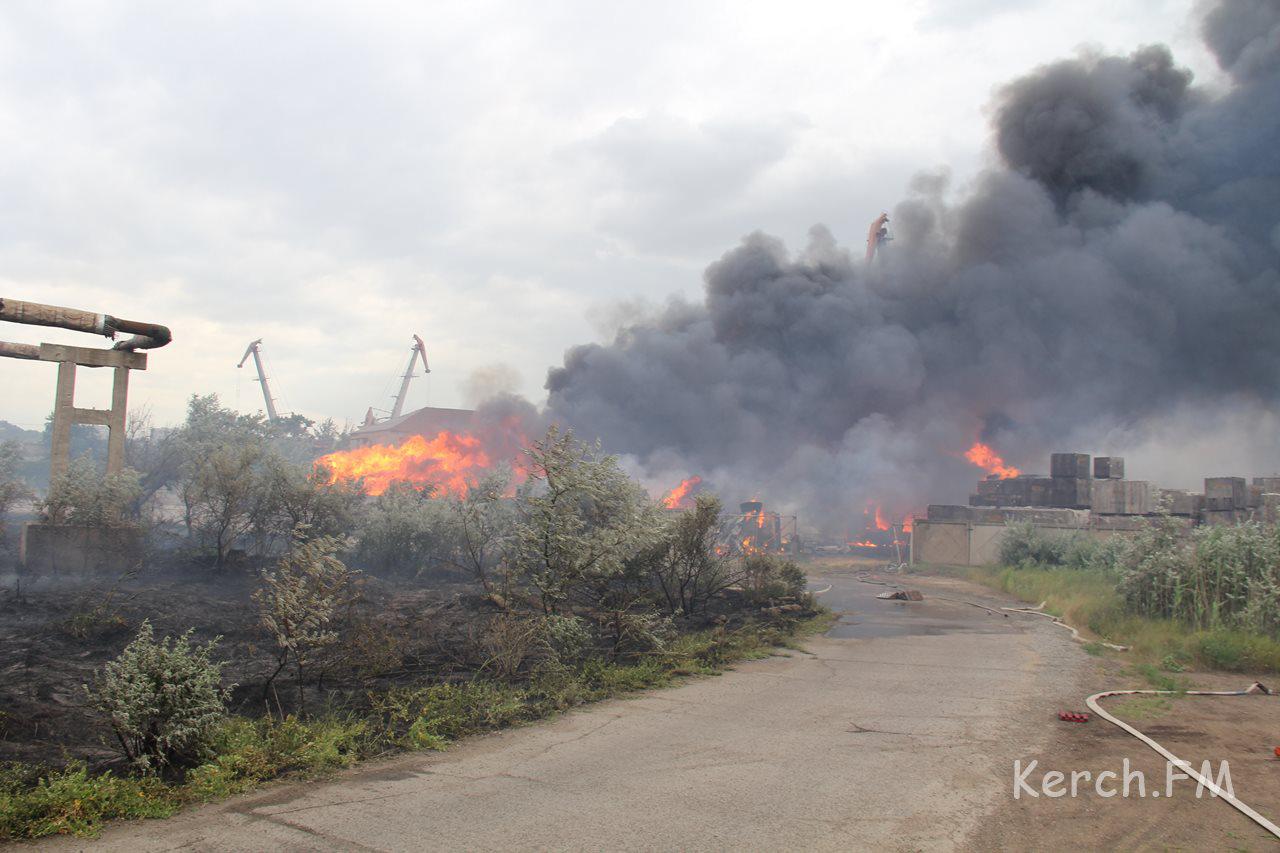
point(897, 730)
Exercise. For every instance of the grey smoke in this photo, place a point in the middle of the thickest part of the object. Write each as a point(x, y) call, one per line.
point(1120, 265)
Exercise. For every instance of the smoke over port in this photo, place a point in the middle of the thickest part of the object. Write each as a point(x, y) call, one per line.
point(1118, 266)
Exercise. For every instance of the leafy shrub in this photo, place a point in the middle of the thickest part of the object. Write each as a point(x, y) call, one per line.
point(162, 699)
point(400, 530)
point(567, 637)
point(770, 578)
point(73, 801)
point(85, 496)
point(1024, 543)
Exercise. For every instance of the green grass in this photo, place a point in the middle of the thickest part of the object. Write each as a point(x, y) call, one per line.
point(1134, 708)
point(37, 802)
point(1087, 599)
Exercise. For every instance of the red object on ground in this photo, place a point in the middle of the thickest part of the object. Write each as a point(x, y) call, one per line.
point(1080, 717)
point(1278, 752)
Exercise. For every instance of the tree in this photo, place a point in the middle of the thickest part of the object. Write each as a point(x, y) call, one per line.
point(687, 571)
point(479, 528)
point(302, 498)
point(12, 487)
point(401, 530)
point(579, 518)
point(299, 602)
point(226, 497)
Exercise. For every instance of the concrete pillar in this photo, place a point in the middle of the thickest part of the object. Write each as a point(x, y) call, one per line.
point(63, 418)
point(116, 421)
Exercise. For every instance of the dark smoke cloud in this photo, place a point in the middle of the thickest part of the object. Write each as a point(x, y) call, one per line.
point(1121, 264)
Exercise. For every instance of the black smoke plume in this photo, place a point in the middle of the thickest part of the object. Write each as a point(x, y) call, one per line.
point(1120, 264)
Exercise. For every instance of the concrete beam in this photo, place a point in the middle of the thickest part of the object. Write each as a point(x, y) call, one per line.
point(90, 357)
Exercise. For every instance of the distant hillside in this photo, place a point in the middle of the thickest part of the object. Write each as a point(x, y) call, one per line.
point(13, 432)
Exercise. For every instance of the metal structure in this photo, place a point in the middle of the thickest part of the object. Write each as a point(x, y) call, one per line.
point(123, 357)
point(877, 236)
point(416, 351)
point(255, 351)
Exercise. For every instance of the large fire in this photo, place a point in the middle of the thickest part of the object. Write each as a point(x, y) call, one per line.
point(678, 498)
point(988, 460)
point(450, 462)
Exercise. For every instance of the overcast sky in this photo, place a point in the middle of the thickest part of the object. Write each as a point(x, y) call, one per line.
point(504, 179)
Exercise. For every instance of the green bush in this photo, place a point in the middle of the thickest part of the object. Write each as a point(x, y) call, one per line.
point(73, 801)
point(162, 699)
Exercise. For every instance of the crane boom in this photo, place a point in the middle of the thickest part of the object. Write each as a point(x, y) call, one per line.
point(418, 350)
point(253, 350)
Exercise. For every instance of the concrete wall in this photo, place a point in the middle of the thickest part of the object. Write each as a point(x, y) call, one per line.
point(978, 544)
point(68, 549)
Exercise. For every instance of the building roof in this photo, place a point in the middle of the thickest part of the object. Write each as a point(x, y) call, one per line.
point(428, 421)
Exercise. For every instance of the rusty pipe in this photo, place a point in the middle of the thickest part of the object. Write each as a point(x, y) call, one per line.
point(145, 335)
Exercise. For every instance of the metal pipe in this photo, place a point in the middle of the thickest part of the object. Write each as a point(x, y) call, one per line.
point(145, 335)
point(11, 350)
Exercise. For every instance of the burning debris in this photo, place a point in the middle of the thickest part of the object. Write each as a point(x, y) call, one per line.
point(680, 497)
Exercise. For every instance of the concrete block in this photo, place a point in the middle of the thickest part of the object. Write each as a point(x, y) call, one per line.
point(1181, 502)
point(1227, 487)
point(1270, 509)
point(1139, 497)
point(1223, 517)
point(948, 512)
point(69, 549)
point(1219, 504)
point(1108, 467)
point(1107, 497)
point(1072, 492)
point(1069, 465)
point(1269, 484)
point(1255, 496)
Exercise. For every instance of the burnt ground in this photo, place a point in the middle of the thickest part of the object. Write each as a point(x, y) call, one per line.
point(55, 633)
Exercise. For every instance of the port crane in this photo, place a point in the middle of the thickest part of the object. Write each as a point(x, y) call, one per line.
point(417, 350)
point(255, 351)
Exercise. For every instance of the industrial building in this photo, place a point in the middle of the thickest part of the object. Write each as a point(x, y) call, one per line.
point(1079, 498)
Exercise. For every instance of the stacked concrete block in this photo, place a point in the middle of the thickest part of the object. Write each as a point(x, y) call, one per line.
point(1225, 493)
point(1269, 485)
point(1108, 467)
point(1074, 465)
point(1107, 497)
point(1012, 491)
point(1072, 492)
point(1255, 497)
point(1139, 497)
point(1181, 502)
point(1269, 511)
point(1123, 497)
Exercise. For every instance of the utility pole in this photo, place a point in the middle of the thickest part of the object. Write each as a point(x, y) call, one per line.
point(253, 350)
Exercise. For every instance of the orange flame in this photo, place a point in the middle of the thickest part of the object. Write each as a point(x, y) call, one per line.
point(450, 462)
point(908, 521)
point(875, 516)
point(865, 543)
point(675, 498)
point(988, 460)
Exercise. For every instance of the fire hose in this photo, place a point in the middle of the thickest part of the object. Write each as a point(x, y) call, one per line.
point(1209, 783)
point(144, 335)
point(1092, 702)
